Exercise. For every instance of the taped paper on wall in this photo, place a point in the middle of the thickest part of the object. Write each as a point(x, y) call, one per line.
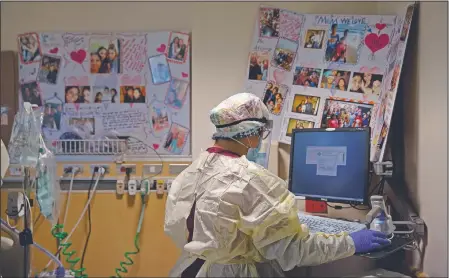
point(337, 69)
point(91, 85)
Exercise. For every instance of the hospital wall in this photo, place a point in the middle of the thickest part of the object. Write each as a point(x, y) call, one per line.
point(221, 35)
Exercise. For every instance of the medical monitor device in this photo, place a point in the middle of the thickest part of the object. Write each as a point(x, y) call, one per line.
point(332, 165)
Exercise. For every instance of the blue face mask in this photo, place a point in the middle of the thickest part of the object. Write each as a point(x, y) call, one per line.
point(45, 194)
point(255, 156)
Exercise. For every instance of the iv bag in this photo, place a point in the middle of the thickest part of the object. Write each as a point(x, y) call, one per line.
point(26, 133)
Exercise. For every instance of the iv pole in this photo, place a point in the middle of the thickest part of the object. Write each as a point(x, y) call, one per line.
point(23, 240)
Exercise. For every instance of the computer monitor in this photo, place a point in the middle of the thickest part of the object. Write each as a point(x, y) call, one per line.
point(329, 164)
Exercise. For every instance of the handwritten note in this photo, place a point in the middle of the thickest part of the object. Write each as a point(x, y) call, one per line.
point(85, 110)
point(134, 54)
point(72, 40)
point(123, 120)
point(329, 19)
point(135, 146)
point(290, 25)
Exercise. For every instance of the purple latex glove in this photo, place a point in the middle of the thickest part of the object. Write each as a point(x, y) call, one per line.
point(60, 272)
point(366, 241)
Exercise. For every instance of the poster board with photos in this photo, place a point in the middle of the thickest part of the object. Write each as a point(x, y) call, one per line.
point(92, 85)
point(322, 70)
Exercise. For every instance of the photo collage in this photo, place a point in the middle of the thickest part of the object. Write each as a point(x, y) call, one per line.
point(81, 77)
point(333, 75)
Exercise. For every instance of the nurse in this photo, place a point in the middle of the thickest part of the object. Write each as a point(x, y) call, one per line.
point(233, 218)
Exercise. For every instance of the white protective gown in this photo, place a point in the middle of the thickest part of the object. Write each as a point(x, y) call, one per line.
point(245, 224)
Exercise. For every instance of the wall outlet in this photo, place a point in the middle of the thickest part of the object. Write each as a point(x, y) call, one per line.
point(120, 187)
point(152, 169)
point(121, 169)
point(68, 168)
point(132, 187)
point(106, 168)
point(145, 186)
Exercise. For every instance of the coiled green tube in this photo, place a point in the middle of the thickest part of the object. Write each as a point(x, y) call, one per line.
point(72, 261)
point(128, 261)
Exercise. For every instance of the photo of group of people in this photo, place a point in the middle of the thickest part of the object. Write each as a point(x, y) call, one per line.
point(297, 124)
point(31, 93)
point(274, 97)
point(366, 83)
point(308, 77)
point(78, 94)
point(160, 71)
point(178, 44)
point(159, 119)
point(104, 94)
point(303, 104)
point(29, 47)
point(269, 22)
point(258, 65)
point(343, 43)
point(176, 139)
point(84, 126)
point(335, 79)
point(284, 54)
point(52, 116)
point(132, 94)
point(104, 56)
point(314, 39)
point(49, 69)
point(338, 114)
point(177, 93)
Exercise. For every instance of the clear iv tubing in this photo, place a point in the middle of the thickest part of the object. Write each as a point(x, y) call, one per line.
point(80, 218)
point(49, 254)
point(68, 198)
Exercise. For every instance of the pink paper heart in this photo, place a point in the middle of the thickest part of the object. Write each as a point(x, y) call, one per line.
point(380, 26)
point(54, 50)
point(161, 48)
point(279, 76)
point(155, 146)
point(185, 74)
point(53, 143)
point(77, 106)
point(131, 105)
point(375, 42)
point(78, 56)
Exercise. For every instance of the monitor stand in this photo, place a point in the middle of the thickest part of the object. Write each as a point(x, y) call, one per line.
point(312, 206)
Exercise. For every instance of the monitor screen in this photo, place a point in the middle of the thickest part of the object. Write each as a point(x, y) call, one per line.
point(330, 164)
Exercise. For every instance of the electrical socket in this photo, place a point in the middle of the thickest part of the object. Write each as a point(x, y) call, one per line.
point(68, 168)
point(149, 169)
point(132, 187)
point(120, 187)
point(145, 186)
point(106, 168)
point(121, 169)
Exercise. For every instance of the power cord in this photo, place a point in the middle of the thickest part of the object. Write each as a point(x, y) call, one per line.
point(89, 218)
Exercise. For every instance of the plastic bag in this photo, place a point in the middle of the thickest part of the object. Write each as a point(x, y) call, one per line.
point(48, 188)
point(24, 144)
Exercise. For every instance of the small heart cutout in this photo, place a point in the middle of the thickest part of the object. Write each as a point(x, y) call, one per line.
point(161, 48)
point(53, 143)
point(131, 105)
point(77, 107)
point(185, 75)
point(155, 146)
point(54, 50)
point(78, 56)
point(380, 26)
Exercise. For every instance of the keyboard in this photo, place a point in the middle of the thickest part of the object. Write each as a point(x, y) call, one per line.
point(318, 224)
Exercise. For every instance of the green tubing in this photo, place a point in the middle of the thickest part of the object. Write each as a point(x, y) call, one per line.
point(128, 261)
point(65, 246)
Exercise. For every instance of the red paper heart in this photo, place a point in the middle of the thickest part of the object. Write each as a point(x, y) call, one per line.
point(380, 26)
point(161, 48)
point(78, 56)
point(375, 42)
point(185, 75)
point(156, 146)
point(54, 50)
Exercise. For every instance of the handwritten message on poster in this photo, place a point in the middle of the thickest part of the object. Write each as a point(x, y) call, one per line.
point(328, 70)
point(92, 85)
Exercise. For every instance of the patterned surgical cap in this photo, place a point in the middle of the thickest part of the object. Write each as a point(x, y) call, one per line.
point(239, 109)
